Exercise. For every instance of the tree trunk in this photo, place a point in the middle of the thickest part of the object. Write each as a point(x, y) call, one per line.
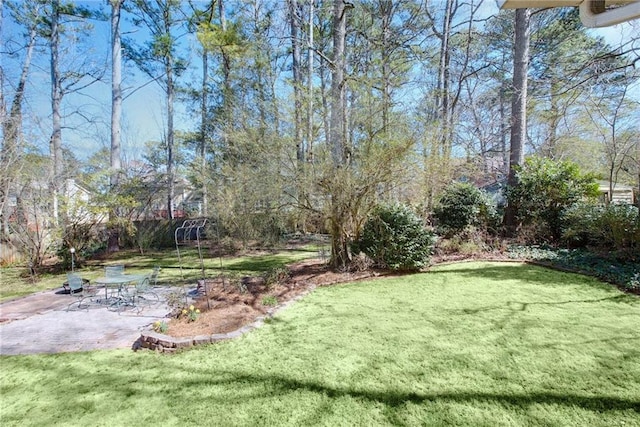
point(443, 96)
point(170, 139)
point(339, 153)
point(203, 131)
point(336, 124)
point(503, 130)
point(518, 107)
point(386, 12)
point(226, 81)
point(113, 244)
point(310, 87)
point(295, 17)
point(55, 146)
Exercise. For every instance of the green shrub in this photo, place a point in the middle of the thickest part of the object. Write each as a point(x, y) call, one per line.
point(613, 227)
point(620, 227)
point(579, 225)
point(546, 190)
point(394, 237)
point(276, 275)
point(460, 206)
point(270, 301)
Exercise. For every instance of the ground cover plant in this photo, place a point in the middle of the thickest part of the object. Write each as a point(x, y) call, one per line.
point(479, 344)
point(622, 272)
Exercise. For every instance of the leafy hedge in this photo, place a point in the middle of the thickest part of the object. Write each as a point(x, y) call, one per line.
point(546, 189)
point(394, 237)
point(612, 228)
point(461, 206)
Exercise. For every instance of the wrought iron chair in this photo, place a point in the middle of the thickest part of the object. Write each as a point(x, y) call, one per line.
point(114, 270)
point(142, 291)
point(78, 289)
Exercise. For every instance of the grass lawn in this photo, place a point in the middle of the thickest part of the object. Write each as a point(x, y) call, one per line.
point(479, 344)
point(12, 285)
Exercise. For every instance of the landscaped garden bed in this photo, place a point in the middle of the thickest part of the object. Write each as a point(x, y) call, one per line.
point(232, 306)
point(227, 305)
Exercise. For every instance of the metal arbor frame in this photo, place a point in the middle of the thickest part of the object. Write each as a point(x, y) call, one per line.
point(187, 228)
point(189, 231)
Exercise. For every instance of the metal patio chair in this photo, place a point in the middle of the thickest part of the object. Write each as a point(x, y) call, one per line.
point(142, 290)
point(114, 270)
point(78, 289)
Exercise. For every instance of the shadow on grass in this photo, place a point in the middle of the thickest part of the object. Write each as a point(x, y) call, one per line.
point(522, 272)
point(282, 385)
point(258, 264)
point(523, 306)
point(614, 342)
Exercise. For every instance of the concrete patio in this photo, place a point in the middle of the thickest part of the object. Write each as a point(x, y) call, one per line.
point(40, 323)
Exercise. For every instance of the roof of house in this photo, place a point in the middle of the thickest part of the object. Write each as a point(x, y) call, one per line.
point(604, 186)
point(592, 13)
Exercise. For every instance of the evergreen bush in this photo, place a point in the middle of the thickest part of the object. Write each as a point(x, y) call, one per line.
point(463, 205)
point(546, 191)
point(613, 227)
point(394, 237)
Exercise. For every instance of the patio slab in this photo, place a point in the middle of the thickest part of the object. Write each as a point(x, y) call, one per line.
point(40, 323)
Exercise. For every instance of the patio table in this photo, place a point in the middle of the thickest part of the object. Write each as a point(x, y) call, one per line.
point(117, 282)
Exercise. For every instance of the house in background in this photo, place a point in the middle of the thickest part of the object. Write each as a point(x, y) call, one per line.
point(29, 215)
point(622, 194)
point(152, 196)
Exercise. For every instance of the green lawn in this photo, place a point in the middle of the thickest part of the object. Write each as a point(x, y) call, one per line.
point(479, 344)
point(12, 285)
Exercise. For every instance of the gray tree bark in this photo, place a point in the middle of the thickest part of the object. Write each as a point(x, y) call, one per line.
point(337, 137)
point(310, 86)
point(336, 121)
point(113, 244)
point(518, 105)
point(55, 144)
point(295, 17)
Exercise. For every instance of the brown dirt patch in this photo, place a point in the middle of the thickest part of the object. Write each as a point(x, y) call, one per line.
point(232, 305)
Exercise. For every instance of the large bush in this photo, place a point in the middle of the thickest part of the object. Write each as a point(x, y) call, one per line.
point(546, 190)
point(460, 206)
point(394, 237)
point(613, 227)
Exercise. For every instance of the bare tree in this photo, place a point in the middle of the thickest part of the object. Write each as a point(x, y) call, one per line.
point(204, 17)
point(295, 18)
point(26, 14)
point(79, 73)
point(337, 137)
point(310, 84)
point(615, 117)
point(159, 60)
